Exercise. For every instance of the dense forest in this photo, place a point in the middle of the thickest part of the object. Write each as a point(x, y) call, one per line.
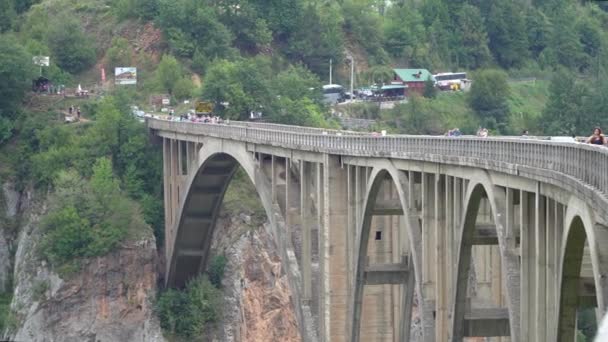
point(271, 56)
point(265, 55)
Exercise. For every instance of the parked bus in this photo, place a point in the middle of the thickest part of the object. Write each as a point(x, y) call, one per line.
point(451, 80)
point(333, 93)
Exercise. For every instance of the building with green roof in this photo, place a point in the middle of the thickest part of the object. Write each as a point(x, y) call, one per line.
point(413, 78)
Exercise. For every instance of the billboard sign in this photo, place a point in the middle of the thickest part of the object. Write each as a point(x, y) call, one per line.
point(125, 76)
point(204, 107)
point(41, 60)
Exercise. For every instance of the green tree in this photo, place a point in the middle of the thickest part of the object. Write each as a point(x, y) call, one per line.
point(365, 26)
point(300, 112)
point(430, 91)
point(404, 35)
point(237, 88)
point(71, 47)
point(191, 25)
point(250, 30)
point(68, 235)
point(589, 33)
point(103, 184)
point(317, 39)
point(564, 112)
point(169, 72)
point(538, 28)
point(183, 88)
point(472, 42)
point(488, 97)
point(16, 71)
point(7, 15)
point(565, 47)
point(119, 53)
point(506, 31)
point(297, 82)
point(282, 16)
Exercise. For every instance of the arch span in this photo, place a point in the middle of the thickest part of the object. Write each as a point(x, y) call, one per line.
point(199, 208)
point(400, 181)
point(579, 229)
point(481, 187)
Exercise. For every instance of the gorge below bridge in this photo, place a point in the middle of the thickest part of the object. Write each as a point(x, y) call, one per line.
point(399, 238)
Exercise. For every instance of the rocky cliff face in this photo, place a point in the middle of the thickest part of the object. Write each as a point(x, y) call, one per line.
point(257, 297)
point(9, 205)
point(108, 299)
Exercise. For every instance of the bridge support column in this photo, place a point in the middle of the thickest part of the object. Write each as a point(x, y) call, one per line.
point(333, 253)
point(288, 220)
point(441, 284)
point(427, 300)
point(528, 266)
point(541, 266)
point(322, 297)
point(273, 179)
point(167, 197)
point(305, 222)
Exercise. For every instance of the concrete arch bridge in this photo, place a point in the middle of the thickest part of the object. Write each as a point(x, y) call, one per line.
point(404, 238)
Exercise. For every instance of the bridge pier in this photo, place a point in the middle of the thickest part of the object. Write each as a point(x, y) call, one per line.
point(334, 249)
point(306, 227)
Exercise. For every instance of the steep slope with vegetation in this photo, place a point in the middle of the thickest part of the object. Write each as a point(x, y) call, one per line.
point(96, 185)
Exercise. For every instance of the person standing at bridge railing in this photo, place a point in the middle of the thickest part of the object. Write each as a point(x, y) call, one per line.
point(597, 138)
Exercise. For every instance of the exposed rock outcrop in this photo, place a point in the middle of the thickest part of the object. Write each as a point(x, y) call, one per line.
point(9, 205)
point(257, 296)
point(107, 299)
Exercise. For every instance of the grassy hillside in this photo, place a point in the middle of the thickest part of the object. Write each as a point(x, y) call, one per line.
point(526, 102)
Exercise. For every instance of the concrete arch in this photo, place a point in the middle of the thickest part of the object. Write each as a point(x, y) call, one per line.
point(377, 175)
point(207, 183)
point(579, 227)
point(481, 185)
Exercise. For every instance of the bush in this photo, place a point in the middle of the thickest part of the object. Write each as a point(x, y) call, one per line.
point(69, 235)
point(216, 270)
point(6, 129)
point(5, 309)
point(185, 313)
point(119, 54)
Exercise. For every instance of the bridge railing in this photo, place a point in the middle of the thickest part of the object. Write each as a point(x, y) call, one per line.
point(587, 163)
point(291, 128)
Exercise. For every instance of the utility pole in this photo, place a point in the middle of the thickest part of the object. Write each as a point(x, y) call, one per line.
point(330, 61)
point(352, 75)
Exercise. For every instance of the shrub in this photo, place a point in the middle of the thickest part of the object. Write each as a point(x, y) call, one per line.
point(119, 54)
point(216, 270)
point(186, 312)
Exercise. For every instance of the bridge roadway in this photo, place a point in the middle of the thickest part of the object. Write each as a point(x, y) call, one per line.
point(420, 238)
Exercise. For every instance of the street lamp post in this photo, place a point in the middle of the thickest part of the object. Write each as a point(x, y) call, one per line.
point(352, 75)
